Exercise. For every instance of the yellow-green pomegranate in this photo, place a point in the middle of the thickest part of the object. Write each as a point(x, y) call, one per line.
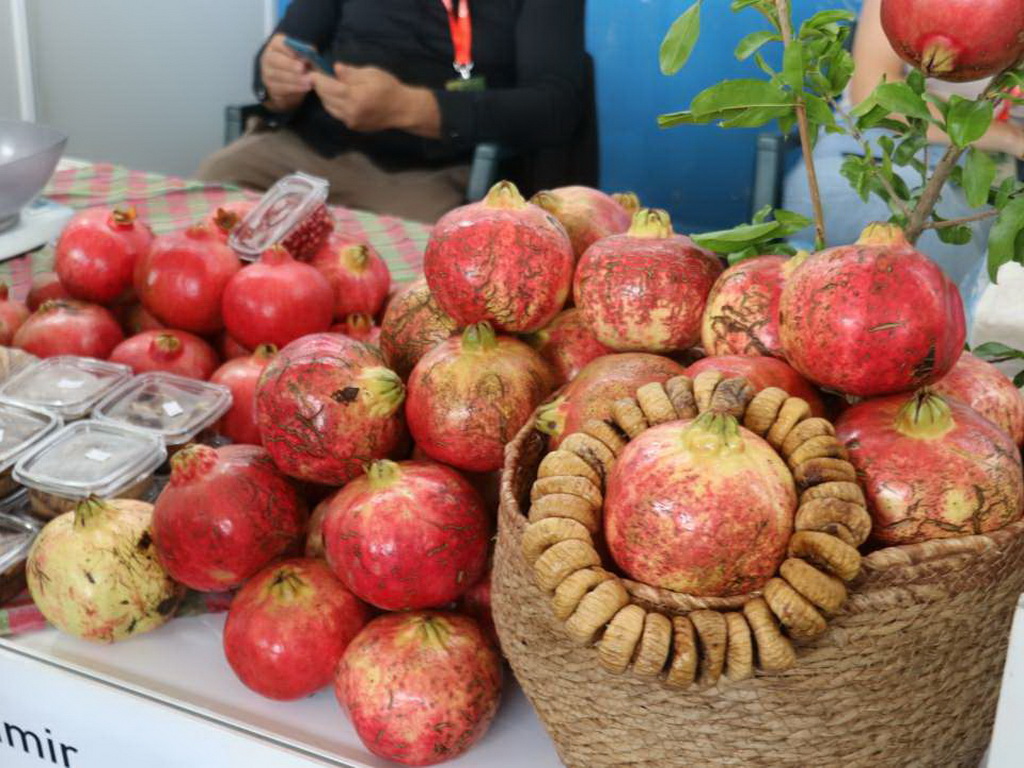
point(94, 572)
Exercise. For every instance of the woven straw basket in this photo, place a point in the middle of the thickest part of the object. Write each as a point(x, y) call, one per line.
point(907, 675)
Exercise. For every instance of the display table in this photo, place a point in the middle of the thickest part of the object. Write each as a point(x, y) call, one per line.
point(170, 699)
point(167, 203)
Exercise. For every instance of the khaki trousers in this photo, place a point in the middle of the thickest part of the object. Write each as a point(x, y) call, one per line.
point(261, 157)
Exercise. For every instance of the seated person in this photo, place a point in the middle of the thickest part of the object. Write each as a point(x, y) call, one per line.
point(846, 214)
point(393, 127)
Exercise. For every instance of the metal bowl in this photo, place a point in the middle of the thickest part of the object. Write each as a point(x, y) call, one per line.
point(28, 155)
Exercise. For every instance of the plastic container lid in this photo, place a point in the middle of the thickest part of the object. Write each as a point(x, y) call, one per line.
point(284, 205)
point(22, 428)
point(67, 385)
point(172, 406)
point(16, 537)
point(91, 458)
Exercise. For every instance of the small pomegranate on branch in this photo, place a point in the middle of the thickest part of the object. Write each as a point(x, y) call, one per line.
point(947, 39)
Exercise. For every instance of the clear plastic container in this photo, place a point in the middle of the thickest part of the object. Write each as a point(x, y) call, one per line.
point(89, 458)
point(13, 360)
point(295, 207)
point(22, 428)
point(67, 385)
point(176, 408)
point(16, 537)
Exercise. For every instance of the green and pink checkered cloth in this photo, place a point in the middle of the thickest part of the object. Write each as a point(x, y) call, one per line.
point(167, 203)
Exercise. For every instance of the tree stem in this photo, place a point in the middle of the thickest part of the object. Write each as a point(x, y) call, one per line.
point(933, 189)
point(989, 214)
point(786, 30)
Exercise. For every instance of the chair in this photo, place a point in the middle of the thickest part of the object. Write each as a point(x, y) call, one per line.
point(576, 162)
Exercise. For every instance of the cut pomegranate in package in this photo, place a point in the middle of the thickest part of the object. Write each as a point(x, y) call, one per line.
point(293, 213)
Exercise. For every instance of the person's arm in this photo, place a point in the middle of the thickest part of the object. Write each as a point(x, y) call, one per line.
point(874, 59)
point(546, 103)
point(279, 73)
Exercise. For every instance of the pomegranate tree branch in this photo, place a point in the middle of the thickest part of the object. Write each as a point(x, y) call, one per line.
point(933, 189)
point(922, 212)
point(786, 30)
point(989, 214)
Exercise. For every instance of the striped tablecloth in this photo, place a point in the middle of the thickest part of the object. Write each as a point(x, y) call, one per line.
point(167, 203)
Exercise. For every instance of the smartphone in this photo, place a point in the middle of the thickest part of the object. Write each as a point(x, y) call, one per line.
point(309, 53)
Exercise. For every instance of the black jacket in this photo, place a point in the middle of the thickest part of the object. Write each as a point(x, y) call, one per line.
point(530, 52)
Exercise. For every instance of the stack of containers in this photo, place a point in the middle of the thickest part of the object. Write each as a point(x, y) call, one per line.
point(75, 427)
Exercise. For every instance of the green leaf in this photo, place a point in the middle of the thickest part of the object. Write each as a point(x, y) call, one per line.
point(762, 214)
point(840, 71)
point(967, 121)
point(763, 65)
point(793, 67)
point(737, 95)
point(994, 352)
point(960, 235)
point(818, 110)
point(790, 222)
point(939, 103)
point(672, 119)
point(1010, 186)
point(753, 42)
point(754, 117)
point(824, 18)
point(1004, 240)
point(916, 82)
point(1018, 380)
point(680, 40)
point(737, 238)
point(979, 175)
point(901, 98)
point(908, 148)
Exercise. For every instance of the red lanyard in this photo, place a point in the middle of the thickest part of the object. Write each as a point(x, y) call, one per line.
point(462, 37)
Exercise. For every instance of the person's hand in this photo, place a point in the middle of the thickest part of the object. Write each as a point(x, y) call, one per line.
point(285, 75)
point(368, 99)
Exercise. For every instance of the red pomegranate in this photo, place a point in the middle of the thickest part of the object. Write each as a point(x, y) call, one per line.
point(181, 281)
point(407, 536)
point(413, 324)
point(315, 529)
point(229, 348)
point(12, 315)
point(135, 319)
point(870, 319)
point(276, 300)
point(500, 260)
point(742, 313)
point(762, 372)
point(587, 214)
point(591, 394)
point(645, 290)
point(225, 514)
point(420, 688)
point(240, 375)
point(470, 396)
point(288, 627)
point(167, 350)
point(957, 40)
point(45, 286)
point(568, 345)
point(96, 253)
point(359, 277)
point(932, 468)
point(988, 391)
point(700, 506)
point(69, 327)
point(326, 406)
point(476, 603)
point(359, 327)
point(226, 218)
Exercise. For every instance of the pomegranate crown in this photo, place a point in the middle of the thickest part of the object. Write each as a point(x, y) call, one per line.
point(123, 218)
point(651, 223)
point(882, 234)
point(504, 194)
point(630, 201)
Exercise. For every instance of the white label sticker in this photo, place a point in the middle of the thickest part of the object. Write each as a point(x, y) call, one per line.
point(70, 384)
point(97, 455)
point(172, 409)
